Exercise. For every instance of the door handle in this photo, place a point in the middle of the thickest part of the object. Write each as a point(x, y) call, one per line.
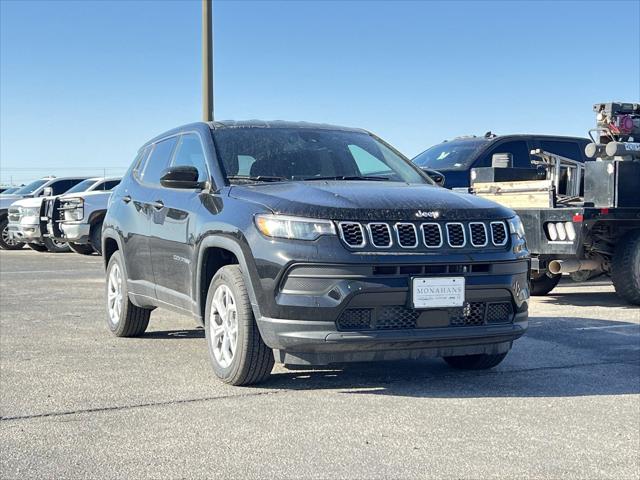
point(126, 198)
point(158, 205)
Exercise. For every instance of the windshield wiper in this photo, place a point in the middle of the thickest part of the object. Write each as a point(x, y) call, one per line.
point(348, 177)
point(258, 178)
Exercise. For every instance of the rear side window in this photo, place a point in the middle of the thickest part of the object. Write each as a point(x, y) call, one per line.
point(140, 161)
point(563, 148)
point(519, 152)
point(63, 185)
point(158, 160)
point(109, 185)
point(190, 153)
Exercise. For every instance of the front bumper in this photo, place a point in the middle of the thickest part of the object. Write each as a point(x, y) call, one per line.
point(71, 232)
point(381, 322)
point(29, 233)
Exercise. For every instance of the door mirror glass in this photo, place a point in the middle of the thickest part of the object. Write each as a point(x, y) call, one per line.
point(501, 160)
point(180, 176)
point(47, 192)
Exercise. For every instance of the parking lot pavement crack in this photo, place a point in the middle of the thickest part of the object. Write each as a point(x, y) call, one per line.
point(134, 406)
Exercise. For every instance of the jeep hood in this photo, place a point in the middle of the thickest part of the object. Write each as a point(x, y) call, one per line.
point(362, 200)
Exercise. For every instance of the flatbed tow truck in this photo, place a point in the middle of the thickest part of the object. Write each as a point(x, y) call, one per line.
point(580, 218)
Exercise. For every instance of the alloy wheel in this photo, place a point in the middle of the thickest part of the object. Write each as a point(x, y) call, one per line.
point(223, 325)
point(114, 294)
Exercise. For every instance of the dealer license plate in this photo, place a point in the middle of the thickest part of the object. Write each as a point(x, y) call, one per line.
point(438, 292)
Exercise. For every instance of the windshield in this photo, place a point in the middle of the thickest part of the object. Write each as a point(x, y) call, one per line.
point(30, 187)
point(286, 154)
point(82, 186)
point(454, 155)
point(9, 191)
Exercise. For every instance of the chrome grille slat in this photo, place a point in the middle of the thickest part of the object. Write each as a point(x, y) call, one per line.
point(431, 235)
point(352, 234)
point(380, 235)
point(407, 235)
point(478, 234)
point(456, 235)
point(499, 235)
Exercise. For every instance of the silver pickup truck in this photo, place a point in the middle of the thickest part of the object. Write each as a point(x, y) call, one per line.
point(76, 217)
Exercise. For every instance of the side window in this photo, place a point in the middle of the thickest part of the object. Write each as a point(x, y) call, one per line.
point(158, 160)
point(367, 163)
point(518, 150)
point(563, 148)
point(139, 162)
point(64, 185)
point(190, 153)
point(109, 185)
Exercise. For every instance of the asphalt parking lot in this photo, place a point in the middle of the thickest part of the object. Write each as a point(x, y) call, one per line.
point(79, 403)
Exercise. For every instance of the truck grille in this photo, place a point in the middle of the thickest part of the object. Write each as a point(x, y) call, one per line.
point(14, 215)
point(432, 235)
point(397, 317)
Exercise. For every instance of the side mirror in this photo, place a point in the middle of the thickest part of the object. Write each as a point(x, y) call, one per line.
point(47, 192)
point(501, 160)
point(435, 175)
point(182, 176)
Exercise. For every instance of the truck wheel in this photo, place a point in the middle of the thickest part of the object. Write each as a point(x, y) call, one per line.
point(6, 242)
point(81, 249)
point(625, 267)
point(54, 246)
point(238, 354)
point(124, 319)
point(542, 283)
point(482, 361)
point(95, 239)
point(37, 247)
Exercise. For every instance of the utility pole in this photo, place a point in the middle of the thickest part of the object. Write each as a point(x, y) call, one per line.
point(207, 61)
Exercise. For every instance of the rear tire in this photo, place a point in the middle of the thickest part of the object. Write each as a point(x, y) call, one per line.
point(475, 362)
point(7, 243)
point(82, 249)
point(54, 246)
point(544, 283)
point(37, 247)
point(625, 267)
point(236, 350)
point(124, 319)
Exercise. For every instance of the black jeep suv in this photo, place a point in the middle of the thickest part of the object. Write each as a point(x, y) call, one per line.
point(310, 244)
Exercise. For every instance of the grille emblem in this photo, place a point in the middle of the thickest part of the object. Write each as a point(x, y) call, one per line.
point(432, 214)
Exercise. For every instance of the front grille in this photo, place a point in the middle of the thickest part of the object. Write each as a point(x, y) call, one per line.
point(478, 234)
point(407, 235)
point(498, 233)
point(430, 234)
point(14, 215)
point(380, 235)
point(398, 317)
point(455, 235)
point(352, 234)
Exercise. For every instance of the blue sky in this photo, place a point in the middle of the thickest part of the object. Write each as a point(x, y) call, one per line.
point(83, 84)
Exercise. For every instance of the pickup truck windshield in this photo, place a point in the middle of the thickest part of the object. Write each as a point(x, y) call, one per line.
point(306, 154)
point(30, 188)
point(454, 155)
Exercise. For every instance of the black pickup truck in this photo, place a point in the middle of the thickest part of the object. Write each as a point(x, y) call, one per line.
point(310, 244)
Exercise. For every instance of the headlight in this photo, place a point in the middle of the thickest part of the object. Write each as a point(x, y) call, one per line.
point(71, 210)
point(516, 227)
point(296, 228)
point(29, 211)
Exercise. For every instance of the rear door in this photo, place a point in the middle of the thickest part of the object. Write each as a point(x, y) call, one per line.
point(173, 233)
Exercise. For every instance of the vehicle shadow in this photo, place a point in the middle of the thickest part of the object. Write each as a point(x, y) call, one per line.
point(592, 299)
point(564, 357)
point(174, 334)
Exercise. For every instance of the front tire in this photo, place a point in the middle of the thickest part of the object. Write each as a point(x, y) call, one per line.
point(475, 362)
point(124, 319)
point(543, 283)
point(6, 242)
point(81, 248)
point(625, 267)
point(37, 247)
point(236, 350)
point(55, 246)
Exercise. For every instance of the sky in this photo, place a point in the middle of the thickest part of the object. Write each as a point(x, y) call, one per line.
point(84, 83)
